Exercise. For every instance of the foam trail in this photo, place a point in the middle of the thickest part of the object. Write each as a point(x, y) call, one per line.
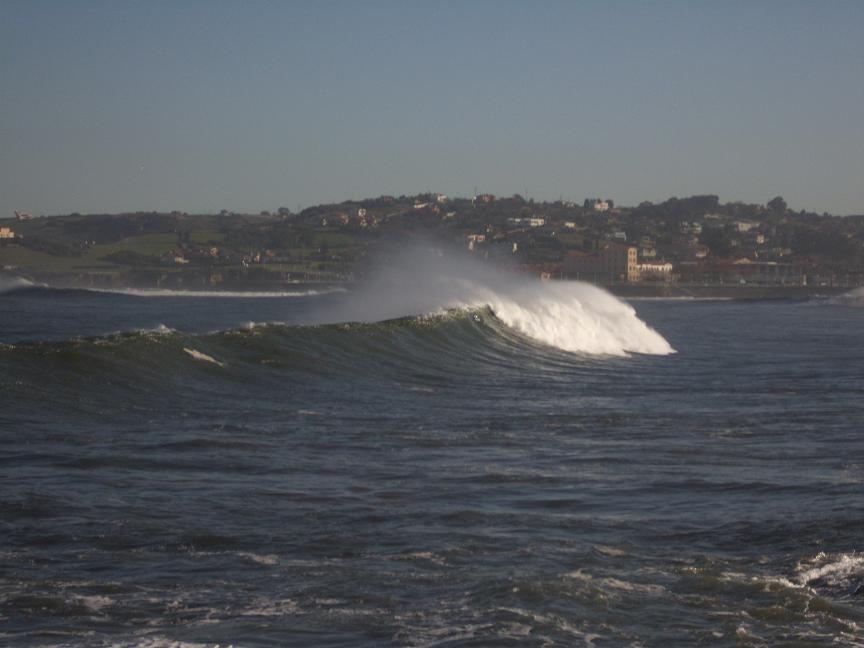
point(163, 292)
point(572, 316)
point(834, 570)
point(198, 355)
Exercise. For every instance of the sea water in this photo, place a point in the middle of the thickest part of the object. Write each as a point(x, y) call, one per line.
point(500, 463)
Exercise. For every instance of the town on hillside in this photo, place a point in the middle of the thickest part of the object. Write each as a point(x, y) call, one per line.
point(682, 244)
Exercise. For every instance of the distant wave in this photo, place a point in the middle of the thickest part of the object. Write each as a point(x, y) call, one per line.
point(854, 298)
point(13, 284)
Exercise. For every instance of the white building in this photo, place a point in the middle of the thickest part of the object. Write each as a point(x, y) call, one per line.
point(534, 221)
point(655, 270)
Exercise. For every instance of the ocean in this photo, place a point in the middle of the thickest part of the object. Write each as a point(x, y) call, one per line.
point(469, 461)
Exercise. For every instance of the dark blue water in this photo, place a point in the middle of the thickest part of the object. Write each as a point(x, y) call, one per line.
point(439, 481)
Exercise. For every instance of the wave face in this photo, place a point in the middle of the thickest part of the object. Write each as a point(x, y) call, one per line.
point(460, 340)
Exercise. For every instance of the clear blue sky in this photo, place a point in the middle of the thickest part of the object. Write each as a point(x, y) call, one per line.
point(199, 106)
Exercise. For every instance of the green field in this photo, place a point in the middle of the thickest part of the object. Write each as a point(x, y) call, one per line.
point(91, 257)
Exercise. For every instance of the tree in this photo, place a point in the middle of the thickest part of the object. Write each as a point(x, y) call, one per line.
point(718, 240)
point(777, 204)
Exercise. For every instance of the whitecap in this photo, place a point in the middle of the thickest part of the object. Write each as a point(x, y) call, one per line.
point(268, 559)
point(832, 570)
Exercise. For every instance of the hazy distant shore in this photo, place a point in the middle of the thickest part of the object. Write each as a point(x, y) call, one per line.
point(195, 284)
point(720, 291)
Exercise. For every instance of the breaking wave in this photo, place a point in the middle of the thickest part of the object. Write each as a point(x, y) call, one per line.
point(569, 315)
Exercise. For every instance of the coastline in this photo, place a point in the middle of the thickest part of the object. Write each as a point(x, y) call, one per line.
point(257, 286)
point(724, 291)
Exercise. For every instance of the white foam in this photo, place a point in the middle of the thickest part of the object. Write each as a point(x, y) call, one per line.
point(423, 555)
point(606, 550)
point(163, 642)
point(268, 560)
point(95, 603)
point(833, 570)
point(573, 316)
point(271, 608)
point(203, 357)
point(616, 583)
point(160, 329)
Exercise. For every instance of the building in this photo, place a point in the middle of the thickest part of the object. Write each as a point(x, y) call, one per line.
point(691, 228)
point(745, 225)
point(598, 205)
point(655, 271)
point(615, 262)
point(534, 221)
point(647, 248)
point(6, 233)
point(474, 239)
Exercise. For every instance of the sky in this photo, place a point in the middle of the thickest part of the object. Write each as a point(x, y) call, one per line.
point(200, 106)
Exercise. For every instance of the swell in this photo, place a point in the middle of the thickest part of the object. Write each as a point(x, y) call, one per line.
point(432, 347)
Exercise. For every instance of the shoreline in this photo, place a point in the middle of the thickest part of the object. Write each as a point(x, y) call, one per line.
point(274, 288)
point(720, 291)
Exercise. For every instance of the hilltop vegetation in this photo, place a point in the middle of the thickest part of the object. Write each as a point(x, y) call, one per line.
point(698, 235)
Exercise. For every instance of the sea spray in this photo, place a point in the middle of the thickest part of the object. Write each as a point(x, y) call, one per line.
point(570, 315)
point(854, 298)
point(9, 283)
